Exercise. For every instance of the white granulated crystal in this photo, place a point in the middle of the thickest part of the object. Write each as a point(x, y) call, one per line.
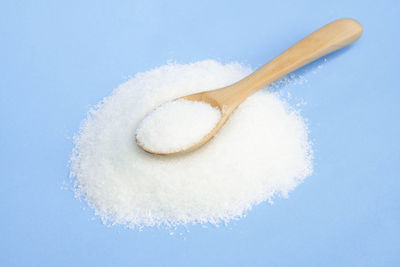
point(262, 151)
point(176, 125)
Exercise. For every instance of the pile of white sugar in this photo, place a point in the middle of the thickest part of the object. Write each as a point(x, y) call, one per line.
point(176, 125)
point(261, 152)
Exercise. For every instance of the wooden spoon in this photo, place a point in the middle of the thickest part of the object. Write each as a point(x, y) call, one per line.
point(325, 40)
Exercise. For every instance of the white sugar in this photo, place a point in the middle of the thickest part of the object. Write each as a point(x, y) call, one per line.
point(262, 151)
point(176, 125)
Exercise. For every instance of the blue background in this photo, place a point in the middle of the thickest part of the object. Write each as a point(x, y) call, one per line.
point(57, 58)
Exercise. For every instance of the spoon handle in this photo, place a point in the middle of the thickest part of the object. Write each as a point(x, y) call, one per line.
point(325, 40)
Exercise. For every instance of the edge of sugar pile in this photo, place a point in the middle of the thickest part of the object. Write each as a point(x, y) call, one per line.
point(111, 218)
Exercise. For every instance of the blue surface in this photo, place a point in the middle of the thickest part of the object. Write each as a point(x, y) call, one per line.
point(57, 58)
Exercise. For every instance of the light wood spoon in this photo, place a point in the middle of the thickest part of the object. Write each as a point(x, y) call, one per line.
point(325, 40)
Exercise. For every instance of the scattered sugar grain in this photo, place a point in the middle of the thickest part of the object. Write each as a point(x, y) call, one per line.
point(262, 152)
